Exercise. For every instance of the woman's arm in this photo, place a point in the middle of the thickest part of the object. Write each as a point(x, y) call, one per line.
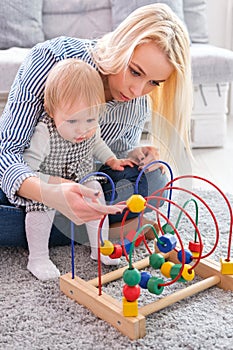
point(69, 199)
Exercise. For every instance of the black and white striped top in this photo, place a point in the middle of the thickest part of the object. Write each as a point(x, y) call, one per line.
point(121, 126)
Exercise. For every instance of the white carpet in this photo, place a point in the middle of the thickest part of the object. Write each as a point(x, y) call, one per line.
point(37, 316)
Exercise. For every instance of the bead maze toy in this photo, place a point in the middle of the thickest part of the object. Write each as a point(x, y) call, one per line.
point(175, 262)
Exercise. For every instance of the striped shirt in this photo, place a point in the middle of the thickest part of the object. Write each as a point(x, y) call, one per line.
point(121, 125)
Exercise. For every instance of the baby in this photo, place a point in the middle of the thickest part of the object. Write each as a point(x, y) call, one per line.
point(63, 147)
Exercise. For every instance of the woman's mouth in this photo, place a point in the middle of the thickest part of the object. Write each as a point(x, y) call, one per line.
point(124, 98)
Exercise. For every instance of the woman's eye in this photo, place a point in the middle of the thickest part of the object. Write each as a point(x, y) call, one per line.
point(154, 83)
point(134, 72)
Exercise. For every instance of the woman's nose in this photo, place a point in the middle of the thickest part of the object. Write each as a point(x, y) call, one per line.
point(137, 89)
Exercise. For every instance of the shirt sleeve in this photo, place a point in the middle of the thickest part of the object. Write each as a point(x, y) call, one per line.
point(21, 113)
point(38, 150)
point(101, 151)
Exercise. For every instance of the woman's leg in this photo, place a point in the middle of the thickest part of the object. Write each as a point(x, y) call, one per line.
point(12, 227)
point(125, 181)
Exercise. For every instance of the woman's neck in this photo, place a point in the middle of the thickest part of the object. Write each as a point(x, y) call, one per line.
point(107, 92)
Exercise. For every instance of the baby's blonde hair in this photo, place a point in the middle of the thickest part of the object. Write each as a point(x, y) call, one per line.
point(72, 80)
point(159, 24)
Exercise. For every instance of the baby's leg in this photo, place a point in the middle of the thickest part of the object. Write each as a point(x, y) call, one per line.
point(92, 230)
point(38, 227)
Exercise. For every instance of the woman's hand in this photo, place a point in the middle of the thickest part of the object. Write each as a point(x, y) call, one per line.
point(145, 155)
point(77, 202)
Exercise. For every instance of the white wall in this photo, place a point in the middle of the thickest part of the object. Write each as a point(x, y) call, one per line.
point(220, 27)
point(220, 22)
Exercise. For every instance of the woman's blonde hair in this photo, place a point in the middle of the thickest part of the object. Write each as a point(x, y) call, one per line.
point(159, 24)
point(72, 80)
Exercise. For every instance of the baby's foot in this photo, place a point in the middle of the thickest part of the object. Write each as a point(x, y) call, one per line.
point(106, 260)
point(43, 269)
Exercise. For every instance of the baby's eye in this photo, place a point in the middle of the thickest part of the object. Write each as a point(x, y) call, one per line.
point(91, 120)
point(154, 83)
point(71, 121)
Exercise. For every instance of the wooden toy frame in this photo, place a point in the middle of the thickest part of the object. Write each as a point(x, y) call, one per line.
point(109, 309)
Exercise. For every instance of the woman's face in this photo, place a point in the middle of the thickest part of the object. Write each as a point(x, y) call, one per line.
point(148, 67)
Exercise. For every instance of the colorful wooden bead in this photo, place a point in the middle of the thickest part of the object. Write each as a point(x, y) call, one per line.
point(130, 308)
point(154, 286)
point(145, 276)
point(166, 228)
point(131, 293)
point(195, 246)
point(166, 243)
point(156, 260)
point(175, 270)
point(107, 248)
point(132, 276)
point(127, 245)
point(166, 268)
point(117, 252)
point(136, 203)
point(187, 256)
point(226, 266)
point(188, 274)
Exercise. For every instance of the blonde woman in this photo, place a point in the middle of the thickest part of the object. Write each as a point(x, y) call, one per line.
point(148, 54)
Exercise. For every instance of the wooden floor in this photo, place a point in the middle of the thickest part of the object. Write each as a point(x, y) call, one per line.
point(216, 164)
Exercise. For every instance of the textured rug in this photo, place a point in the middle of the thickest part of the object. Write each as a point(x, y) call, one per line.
point(36, 315)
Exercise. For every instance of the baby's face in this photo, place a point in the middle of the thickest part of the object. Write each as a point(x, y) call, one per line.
point(78, 123)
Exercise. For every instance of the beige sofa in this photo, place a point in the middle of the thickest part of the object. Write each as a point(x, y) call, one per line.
point(39, 20)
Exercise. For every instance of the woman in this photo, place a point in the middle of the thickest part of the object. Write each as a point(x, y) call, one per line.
point(148, 54)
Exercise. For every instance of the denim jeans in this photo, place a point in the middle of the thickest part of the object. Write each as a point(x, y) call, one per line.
point(125, 181)
point(12, 227)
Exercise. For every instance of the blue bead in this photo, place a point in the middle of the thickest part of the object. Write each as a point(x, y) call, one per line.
point(145, 276)
point(188, 256)
point(166, 243)
point(127, 245)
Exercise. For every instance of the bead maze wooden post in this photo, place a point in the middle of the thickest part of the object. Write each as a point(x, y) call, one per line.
point(124, 317)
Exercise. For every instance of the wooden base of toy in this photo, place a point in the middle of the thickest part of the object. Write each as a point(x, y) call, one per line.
point(110, 309)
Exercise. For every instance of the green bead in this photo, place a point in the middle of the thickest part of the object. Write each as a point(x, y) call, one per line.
point(167, 229)
point(175, 271)
point(153, 285)
point(131, 277)
point(156, 260)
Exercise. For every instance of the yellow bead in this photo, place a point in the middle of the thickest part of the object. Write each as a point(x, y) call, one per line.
point(166, 268)
point(107, 248)
point(195, 255)
point(186, 274)
point(136, 203)
point(226, 266)
point(130, 308)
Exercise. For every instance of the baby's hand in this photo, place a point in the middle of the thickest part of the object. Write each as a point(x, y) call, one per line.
point(119, 164)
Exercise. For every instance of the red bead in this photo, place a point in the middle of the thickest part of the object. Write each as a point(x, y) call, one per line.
point(195, 246)
point(131, 293)
point(117, 253)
